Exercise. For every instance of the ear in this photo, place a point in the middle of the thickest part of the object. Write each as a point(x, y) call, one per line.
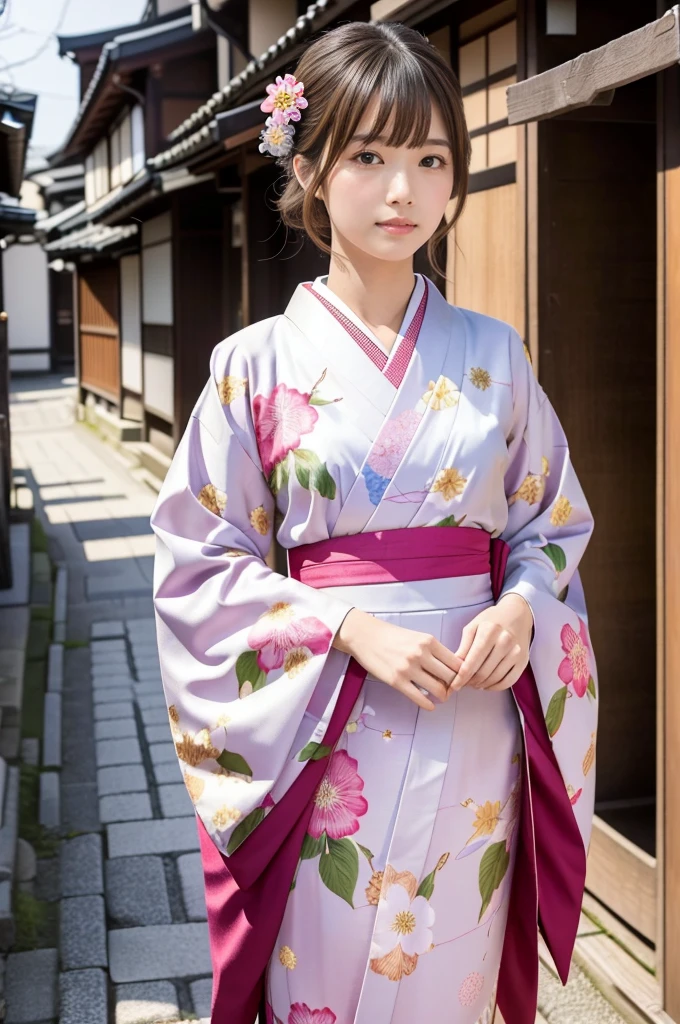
point(301, 171)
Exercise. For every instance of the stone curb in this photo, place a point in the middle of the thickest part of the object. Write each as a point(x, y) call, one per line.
point(55, 668)
point(52, 731)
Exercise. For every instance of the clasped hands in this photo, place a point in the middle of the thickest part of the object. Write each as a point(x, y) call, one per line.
point(492, 654)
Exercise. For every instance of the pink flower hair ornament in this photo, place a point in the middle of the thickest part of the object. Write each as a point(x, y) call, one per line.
point(284, 102)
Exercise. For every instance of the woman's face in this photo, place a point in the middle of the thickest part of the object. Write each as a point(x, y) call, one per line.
point(371, 185)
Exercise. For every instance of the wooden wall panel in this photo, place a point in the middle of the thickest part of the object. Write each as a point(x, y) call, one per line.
point(488, 261)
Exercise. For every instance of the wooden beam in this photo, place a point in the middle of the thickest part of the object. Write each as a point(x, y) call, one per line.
point(592, 77)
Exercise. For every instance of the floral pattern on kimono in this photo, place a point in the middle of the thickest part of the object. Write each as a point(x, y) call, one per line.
point(298, 431)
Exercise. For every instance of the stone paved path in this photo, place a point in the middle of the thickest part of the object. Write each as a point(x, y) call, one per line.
point(133, 943)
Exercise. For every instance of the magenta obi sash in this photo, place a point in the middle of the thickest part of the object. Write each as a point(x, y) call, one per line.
point(246, 893)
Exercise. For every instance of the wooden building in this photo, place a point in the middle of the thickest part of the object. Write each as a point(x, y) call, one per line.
point(570, 233)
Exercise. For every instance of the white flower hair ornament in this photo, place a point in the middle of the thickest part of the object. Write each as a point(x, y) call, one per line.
point(284, 102)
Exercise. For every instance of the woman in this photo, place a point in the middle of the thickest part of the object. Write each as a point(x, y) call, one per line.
point(389, 797)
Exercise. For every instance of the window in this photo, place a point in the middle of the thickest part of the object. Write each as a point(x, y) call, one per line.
point(487, 66)
point(137, 139)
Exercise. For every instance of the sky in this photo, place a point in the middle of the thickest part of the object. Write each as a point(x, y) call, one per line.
point(28, 31)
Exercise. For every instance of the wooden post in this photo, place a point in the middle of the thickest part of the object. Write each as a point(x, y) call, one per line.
point(670, 711)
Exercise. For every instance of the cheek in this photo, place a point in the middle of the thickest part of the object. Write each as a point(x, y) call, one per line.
point(351, 199)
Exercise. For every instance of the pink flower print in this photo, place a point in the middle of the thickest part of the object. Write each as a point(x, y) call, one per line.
point(285, 99)
point(471, 989)
point(278, 631)
point(280, 422)
point(392, 442)
point(575, 667)
point(338, 802)
point(300, 1013)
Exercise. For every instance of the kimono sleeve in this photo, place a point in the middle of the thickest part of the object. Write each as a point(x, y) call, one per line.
point(548, 528)
point(241, 647)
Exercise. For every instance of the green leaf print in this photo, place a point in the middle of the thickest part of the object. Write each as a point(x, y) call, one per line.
point(312, 847)
point(426, 887)
point(556, 556)
point(244, 828)
point(592, 692)
point(339, 868)
point(450, 521)
point(492, 871)
point(234, 763)
point(315, 400)
point(248, 671)
point(314, 752)
point(366, 852)
point(555, 712)
point(278, 478)
point(306, 464)
point(562, 596)
point(324, 483)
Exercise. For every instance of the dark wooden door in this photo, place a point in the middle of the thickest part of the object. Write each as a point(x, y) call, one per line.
point(99, 330)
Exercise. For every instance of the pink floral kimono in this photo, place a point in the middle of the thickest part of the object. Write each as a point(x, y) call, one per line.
point(387, 476)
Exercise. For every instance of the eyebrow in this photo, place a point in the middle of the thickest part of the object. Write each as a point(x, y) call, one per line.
point(381, 138)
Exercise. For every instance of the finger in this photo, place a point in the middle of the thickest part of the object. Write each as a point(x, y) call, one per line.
point(433, 686)
point(479, 651)
point(439, 670)
point(466, 640)
point(447, 658)
point(503, 667)
point(507, 681)
point(498, 652)
point(411, 691)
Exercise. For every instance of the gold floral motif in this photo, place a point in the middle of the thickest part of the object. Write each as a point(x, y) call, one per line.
point(235, 553)
point(486, 817)
point(195, 786)
point(174, 714)
point(441, 395)
point(295, 661)
point(442, 861)
point(532, 487)
point(224, 816)
point(530, 490)
point(194, 750)
point(213, 499)
point(589, 759)
point(449, 483)
point(387, 734)
point(480, 378)
point(287, 958)
point(374, 887)
point(232, 387)
point(561, 513)
point(222, 722)
point(259, 520)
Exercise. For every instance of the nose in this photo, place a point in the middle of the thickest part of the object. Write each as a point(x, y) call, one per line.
point(399, 192)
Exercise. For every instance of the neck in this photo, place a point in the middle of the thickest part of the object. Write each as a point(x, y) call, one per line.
point(378, 291)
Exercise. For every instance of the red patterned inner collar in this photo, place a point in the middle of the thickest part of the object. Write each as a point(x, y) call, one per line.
point(395, 366)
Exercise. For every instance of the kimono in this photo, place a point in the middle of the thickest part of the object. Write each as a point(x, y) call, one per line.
point(401, 906)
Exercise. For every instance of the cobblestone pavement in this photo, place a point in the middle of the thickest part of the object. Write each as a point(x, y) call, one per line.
point(133, 941)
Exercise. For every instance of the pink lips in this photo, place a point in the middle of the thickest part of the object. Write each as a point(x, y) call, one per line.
point(397, 226)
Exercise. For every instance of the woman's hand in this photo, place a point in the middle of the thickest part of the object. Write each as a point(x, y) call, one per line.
point(495, 646)
point(402, 658)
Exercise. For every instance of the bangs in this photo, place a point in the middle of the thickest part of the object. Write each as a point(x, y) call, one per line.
point(405, 98)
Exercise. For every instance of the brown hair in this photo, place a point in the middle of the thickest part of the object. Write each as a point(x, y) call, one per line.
point(341, 71)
